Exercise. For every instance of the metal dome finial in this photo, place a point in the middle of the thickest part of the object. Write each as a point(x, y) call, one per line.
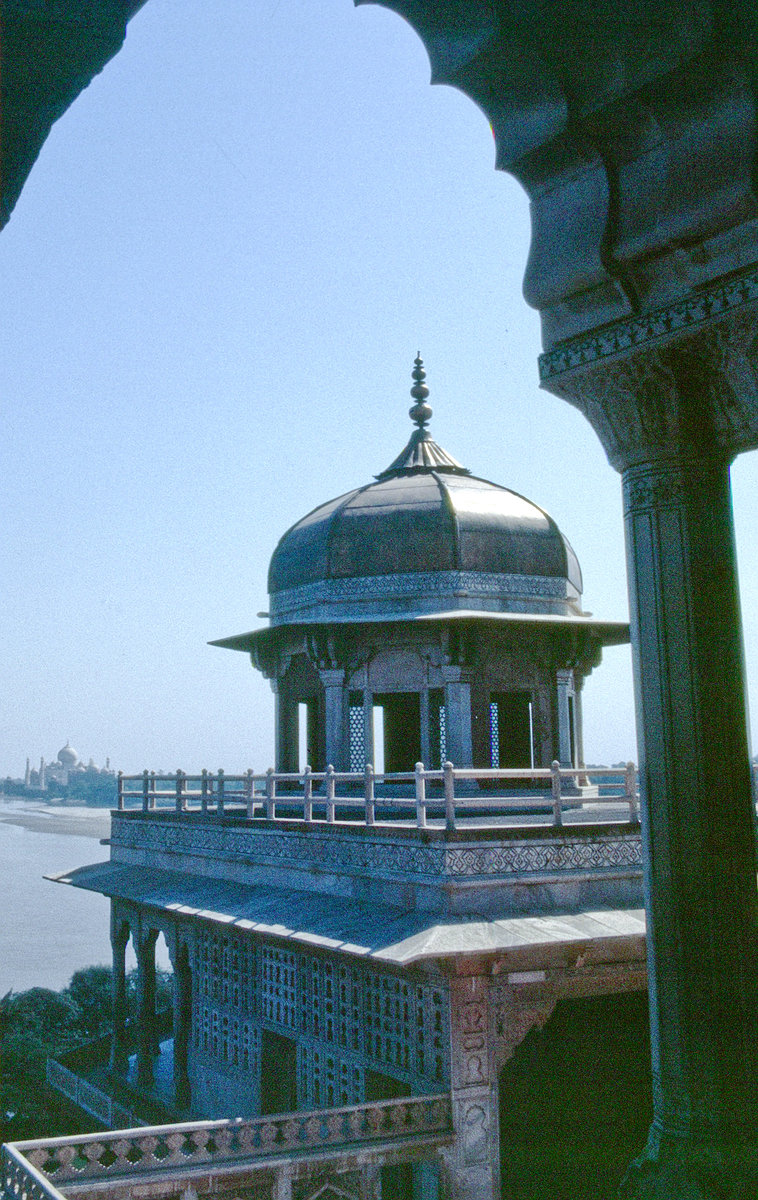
point(421, 412)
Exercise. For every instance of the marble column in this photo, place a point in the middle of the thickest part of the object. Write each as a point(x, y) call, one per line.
point(564, 685)
point(471, 1165)
point(698, 829)
point(368, 725)
point(335, 718)
point(286, 731)
point(119, 1060)
point(146, 1022)
point(458, 716)
point(182, 1021)
point(672, 414)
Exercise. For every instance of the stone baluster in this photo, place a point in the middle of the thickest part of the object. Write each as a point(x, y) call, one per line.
point(448, 780)
point(330, 790)
point(368, 793)
point(555, 788)
point(270, 794)
point(420, 796)
point(307, 795)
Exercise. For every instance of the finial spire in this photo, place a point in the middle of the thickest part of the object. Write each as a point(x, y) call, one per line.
point(421, 412)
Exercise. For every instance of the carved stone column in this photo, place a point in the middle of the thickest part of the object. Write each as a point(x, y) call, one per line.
point(671, 416)
point(336, 717)
point(471, 1166)
point(146, 1023)
point(182, 1019)
point(564, 683)
point(286, 731)
point(119, 1061)
point(458, 716)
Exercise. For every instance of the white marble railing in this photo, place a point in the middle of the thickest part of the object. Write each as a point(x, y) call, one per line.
point(87, 1096)
point(313, 795)
point(34, 1170)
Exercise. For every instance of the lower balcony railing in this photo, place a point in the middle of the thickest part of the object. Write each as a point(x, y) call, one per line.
point(51, 1167)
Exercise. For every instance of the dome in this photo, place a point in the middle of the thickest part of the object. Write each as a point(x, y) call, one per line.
point(68, 757)
point(425, 536)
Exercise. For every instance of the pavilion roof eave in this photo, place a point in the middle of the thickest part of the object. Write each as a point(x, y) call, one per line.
point(379, 932)
point(611, 633)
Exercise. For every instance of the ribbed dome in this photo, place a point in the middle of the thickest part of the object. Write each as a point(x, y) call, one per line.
point(426, 536)
point(68, 757)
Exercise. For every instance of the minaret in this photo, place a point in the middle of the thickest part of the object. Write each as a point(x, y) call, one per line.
point(28, 774)
point(42, 779)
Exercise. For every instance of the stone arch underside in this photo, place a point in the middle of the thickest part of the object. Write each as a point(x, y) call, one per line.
point(632, 133)
point(576, 1099)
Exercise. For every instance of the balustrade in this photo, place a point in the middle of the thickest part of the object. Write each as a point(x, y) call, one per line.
point(371, 797)
point(33, 1170)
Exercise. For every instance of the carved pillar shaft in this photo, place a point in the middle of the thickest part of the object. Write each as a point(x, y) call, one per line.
point(286, 733)
point(146, 1025)
point(699, 818)
point(119, 1050)
point(564, 683)
point(182, 1020)
point(471, 1166)
point(335, 718)
point(458, 737)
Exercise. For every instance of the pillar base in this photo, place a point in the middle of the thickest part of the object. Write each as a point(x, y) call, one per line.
point(669, 1169)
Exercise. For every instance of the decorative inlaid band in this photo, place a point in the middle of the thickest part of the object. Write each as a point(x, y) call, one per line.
point(456, 588)
point(385, 857)
point(690, 313)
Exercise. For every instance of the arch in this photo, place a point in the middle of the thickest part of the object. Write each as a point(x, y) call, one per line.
point(576, 1100)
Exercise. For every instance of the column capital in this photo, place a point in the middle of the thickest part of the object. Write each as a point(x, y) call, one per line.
point(674, 383)
point(332, 676)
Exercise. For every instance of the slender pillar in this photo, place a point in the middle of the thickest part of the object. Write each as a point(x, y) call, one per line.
point(182, 1019)
point(286, 733)
point(368, 725)
point(564, 683)
point(336, 718)
point(458, 716)
point(471, 1165)
point(146, 1024)
point(426, 757)
point(698, 830)
point(119, 1060)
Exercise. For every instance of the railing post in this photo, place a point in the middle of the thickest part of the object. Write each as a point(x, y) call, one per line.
point(330, 789)
point(120, 786)
point(420, 796)
point(220, 797)
point(180, 790)
point(204, 790)
point(153, 799)
point(555, 769)
point(270, 794)
point(249, 791)
point(307, 795)
point(368, 793)
point(630, 791)
point(145, 790)
point(449, 783)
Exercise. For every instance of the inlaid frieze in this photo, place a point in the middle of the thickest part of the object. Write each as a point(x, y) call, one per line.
point(398, 857)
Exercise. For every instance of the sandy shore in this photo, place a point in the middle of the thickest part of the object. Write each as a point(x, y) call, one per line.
point(48, 818)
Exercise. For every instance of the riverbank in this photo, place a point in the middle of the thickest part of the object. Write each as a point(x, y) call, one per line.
point(66, 820)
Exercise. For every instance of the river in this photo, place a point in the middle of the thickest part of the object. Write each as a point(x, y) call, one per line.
point(49, 930)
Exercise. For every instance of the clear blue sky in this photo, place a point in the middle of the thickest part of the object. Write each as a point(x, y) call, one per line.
point(215, 282)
